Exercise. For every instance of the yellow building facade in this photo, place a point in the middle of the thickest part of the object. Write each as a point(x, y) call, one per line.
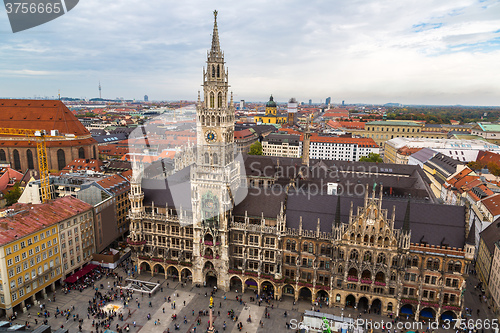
point(30, 253)
point(381, 131)
point(271, 116)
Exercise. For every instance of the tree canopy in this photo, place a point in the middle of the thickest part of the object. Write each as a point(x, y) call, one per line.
point(372, 157)
point(13, 195)
point(255, 149)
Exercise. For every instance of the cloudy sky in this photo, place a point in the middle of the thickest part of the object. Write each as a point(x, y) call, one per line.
point(360, 51)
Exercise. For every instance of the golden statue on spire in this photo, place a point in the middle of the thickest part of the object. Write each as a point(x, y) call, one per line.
point(215, 15)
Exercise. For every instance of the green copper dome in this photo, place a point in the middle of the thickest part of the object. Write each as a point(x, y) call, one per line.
point(271, 103)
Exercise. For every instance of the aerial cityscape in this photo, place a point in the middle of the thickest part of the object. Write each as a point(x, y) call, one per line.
point(304, 195)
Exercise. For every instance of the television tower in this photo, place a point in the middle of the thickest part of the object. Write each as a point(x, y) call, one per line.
point(100, 90)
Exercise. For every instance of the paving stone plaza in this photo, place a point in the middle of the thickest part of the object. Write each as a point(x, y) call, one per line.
point(189, 301)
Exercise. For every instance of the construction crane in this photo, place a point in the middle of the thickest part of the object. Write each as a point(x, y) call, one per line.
point(41, 147)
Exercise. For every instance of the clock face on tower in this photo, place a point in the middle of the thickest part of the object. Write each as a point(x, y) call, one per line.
point(210, 136)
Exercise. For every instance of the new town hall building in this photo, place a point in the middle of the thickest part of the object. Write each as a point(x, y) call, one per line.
point(324, 231)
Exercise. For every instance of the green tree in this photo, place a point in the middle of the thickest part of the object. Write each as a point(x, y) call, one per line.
point(494, 169)
point(372, 157)
point(13, 195)
point(255, 149)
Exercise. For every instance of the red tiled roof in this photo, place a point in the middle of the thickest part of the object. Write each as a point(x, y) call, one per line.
point(464, 181)
point(453, 180)
point(8, 174)
point(346, 124)
point(39, 114)
point(492, 203)
point(113, 150)
point(29, 218)
point(485, 157)
point(115, 184)
point(362, 142)
point(289, 131)
point(84, 164)
point(408, 151)
point(243, 134)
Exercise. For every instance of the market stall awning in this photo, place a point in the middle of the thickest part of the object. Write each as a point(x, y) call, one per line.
point(426, 314)
point(406, 310)
point(82, 272)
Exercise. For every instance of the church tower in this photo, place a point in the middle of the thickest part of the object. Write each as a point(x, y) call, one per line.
point(215, 175)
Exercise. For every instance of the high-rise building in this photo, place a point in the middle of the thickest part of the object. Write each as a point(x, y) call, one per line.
point(328, 100)
point(310, 102)
point(146, 98)
point(242, 104)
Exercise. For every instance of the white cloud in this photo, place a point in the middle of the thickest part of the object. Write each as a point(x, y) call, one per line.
point(427, 51)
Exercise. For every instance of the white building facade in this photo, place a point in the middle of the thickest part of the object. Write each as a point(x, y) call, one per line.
point(462, 150)
point(343, 149)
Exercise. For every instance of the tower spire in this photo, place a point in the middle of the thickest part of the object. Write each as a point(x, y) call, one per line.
point(337, 212)
point(406, 221)
point(215, 50)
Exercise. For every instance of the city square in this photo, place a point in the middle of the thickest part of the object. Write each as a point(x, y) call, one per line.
point(190, 301)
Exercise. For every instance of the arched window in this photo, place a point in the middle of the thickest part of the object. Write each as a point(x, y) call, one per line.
point(29, 157)
point(207, 159)
point(61, 159)
point(450, 266)
point(17, 160)
point(430, 263)
point(215, 159)
point(367, 257)
point(354, 255)
point(218, 121)
point(3, 157)
point(213, 71)
point(458, 267)
point(304, 247)
point(381, 258)
point(81, 152)
point(436, 264)
point(288, 245)
point(212, 100)
point(311, 247)
point(219, 100)
point(218, 70)
point(395, 261)
point(414, 262)
point(293, 246)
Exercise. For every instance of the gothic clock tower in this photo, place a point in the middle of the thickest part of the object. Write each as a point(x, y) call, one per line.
point(215, 175)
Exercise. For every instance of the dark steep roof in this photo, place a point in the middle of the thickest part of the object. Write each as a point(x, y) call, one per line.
point(174, 191)
point(261, 201)
point(430, 223)
point(491, 235)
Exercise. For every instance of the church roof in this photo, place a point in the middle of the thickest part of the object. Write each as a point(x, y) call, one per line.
point(40, 114)
point(271, 103)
